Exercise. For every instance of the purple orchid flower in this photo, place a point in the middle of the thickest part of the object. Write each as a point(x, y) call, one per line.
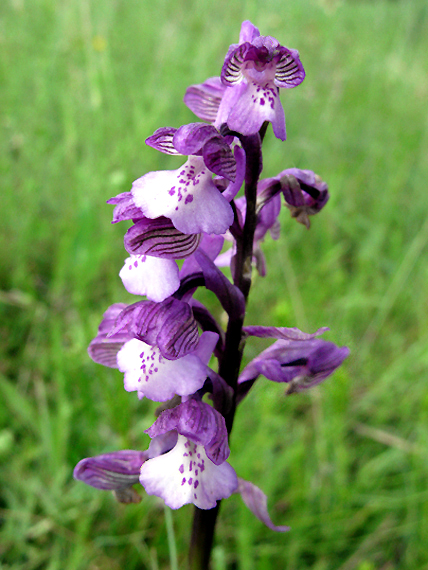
point(299, 363)
point(252, 74)
point(157, 347)
point(188, 195)
point(117, 471)
point(304, 192)
point(111, 471)
point(195, 469)
point(154, 377)
point(104, 347)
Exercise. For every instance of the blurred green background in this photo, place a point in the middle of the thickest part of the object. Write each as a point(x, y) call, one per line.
point(82, 84)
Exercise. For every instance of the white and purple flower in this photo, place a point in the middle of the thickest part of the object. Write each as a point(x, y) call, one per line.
point(247, 94)
point(195, 469)
point(188, 196)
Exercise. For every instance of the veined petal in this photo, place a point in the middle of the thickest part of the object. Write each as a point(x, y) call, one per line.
point(151, 276)
point(302, 362)
point(103, 349)
point(170, 325)
point(162, 140)
point(204, 99)
point(285, 333)
point(189, 139)
point(157, 378)
point(187, 196)
point(219, 158)
point(234, 187)
point(111, 471)
point(125, 208)
point(289, 69)
point(159, 238)
point(186, 475)
point(231, 72)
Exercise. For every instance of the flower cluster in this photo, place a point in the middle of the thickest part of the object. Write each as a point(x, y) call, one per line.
point(167, 344)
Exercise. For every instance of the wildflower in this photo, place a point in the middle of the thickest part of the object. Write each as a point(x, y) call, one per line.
point(188, 195)
point(304, 192)
point(195, 469)
point(299, 363)
point(253, 71)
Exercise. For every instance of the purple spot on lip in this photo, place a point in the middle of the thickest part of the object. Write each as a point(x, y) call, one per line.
point(189, 198)
point(262, 101)
point(196, 484)
point(184, 480)
point(135, 263)
point(181, 468)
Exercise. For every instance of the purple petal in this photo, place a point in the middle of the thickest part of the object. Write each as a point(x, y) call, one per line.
point(103, 349)
point(231, 72)
point(289, 69)
point(219, 158)
point(190, 139)
point(304, 192)
point(267, 219)
point(256, 501)
point(199, 422)
point(111, 471)
point(233, 188)
point(292, 333)
point(170, 325)
point(125, 208)
point(204, 99)
point(159, 238)
point(162, 140)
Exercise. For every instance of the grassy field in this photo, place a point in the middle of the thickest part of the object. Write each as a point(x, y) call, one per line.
point(82, 84)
